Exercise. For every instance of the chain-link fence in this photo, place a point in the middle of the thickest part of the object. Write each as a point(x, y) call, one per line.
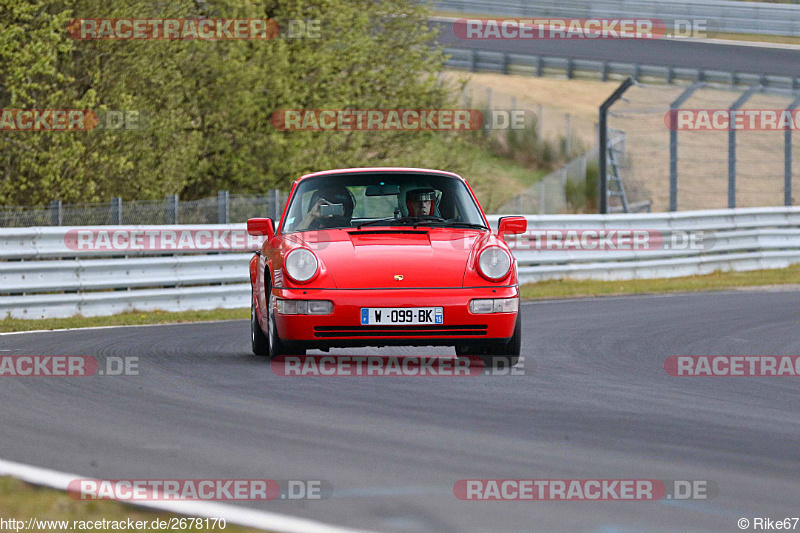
point(704, 146)
point(223, 209)
point(569, 134)
point(550, 195)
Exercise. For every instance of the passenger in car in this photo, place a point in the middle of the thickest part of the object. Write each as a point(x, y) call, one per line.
point(332, 196)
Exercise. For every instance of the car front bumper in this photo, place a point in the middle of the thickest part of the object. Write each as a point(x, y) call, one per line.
point(343, 326)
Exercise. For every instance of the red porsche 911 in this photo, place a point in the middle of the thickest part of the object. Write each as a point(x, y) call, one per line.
point(385, 257)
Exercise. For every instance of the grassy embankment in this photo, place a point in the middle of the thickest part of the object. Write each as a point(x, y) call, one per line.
point(21, 501)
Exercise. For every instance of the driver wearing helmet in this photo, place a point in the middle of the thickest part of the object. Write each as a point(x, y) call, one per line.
point(420, 202)
point(331, 195)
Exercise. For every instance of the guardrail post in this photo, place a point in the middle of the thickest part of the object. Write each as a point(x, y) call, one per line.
point(116, 211)
point(603, 148)
point(506, 62)
point(670, 75)
point(604, 71)
point(275, 204)
point(570, 68)
point(56, 213)
point(542, 197)
point(568, 134)
point(787, 155)
point(539, 121)
point(673, 144)
point(732, 144)
point(223, 208)
point(172, 209)
point(473, 60)
point(637, 69)
point(539, 66)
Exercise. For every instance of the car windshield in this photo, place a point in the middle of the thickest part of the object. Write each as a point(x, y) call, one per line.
point(382, 199)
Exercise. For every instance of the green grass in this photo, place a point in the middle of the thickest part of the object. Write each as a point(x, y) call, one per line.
point(22, 501)
point(712, 282)
point(125, 319)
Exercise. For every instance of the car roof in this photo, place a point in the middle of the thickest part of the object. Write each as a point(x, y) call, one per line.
point(379, 169)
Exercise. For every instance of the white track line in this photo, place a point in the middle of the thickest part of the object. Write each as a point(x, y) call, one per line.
point(233, 514)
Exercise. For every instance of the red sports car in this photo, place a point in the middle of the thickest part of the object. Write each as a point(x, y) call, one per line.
point(385, 257)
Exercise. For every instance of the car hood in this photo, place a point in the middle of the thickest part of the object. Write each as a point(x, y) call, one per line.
point(394, 258)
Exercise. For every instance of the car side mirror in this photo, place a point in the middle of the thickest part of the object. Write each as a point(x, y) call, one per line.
point(260, 227)
point(511, 226)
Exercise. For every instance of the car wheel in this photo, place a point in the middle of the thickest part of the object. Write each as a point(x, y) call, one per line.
point(464, 350)
point(276, 345)
point(505, 355)
point(259, 340)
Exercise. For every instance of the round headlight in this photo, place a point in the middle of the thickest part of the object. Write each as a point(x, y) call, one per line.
point(494, 262)
point(301, 264)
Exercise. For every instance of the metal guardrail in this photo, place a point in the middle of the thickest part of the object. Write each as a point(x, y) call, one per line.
point(723, 15)
point(476, 60)
point(42, 277)
point(731, 239)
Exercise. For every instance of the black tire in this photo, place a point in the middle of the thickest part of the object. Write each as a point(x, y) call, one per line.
point(259, 340)
point(465, 350)
point(503, 355)
point(276, 345)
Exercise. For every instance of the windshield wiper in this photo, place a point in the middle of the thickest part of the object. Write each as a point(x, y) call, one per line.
point(371, 222)
point(416, 221)
point(469, 225)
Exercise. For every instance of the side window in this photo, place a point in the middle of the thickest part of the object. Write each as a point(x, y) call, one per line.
point(300, 207)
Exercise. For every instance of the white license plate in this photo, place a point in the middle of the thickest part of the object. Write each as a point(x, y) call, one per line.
point(401, 315)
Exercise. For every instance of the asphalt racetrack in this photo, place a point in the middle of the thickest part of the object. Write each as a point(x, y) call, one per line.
point(595, 403)
point(679, 53)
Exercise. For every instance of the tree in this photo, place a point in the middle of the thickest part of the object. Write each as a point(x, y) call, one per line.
point(207, 103)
